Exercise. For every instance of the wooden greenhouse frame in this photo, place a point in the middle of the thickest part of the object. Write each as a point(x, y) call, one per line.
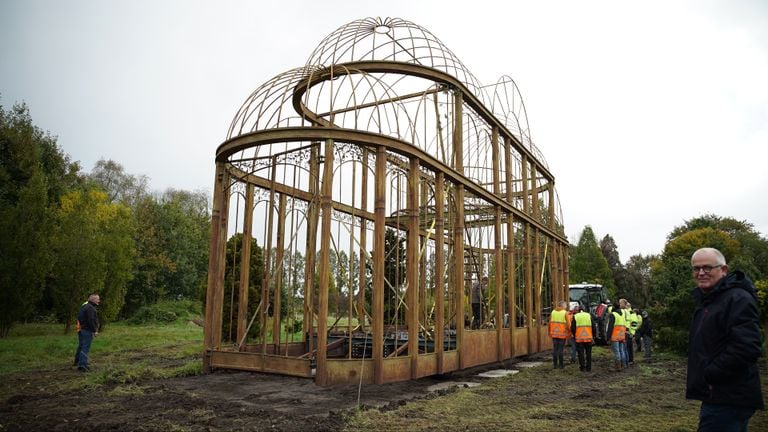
point(358, 198)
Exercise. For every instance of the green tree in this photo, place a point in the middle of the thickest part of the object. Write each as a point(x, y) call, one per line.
point(293, 287)
point(33, 174)
point(120, 186)
point(25, 258)
point(117, 229)
point(171, 242)
point(184, 226)
point(587, 263)
point(152, 258)
point(624, 286)
point(171, 236)
point(752, 254)
point(94, 249)
point(394, 275)
point(341, 272)
point(638, 277)
point(232, 286)
point(673, 276)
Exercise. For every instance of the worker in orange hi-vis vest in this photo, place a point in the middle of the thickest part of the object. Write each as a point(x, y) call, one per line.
point(617, 329)
point(559, 332)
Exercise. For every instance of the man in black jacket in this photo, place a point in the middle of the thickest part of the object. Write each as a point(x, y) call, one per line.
point(724, 344)
point(87, 329)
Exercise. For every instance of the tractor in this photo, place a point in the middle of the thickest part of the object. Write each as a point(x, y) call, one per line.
point(593, 298)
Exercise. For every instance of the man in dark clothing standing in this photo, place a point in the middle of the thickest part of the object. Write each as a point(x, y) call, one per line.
point(645, 333)
point(476, 298)
point(724, 345)
point(87, 329)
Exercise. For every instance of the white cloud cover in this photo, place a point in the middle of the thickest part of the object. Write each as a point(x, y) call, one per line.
point(648, 114)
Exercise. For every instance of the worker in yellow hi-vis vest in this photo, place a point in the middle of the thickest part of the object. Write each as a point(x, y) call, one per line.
point(583, 331)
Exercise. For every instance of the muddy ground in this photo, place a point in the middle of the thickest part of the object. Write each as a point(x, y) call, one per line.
point(244, 401)
point(221, 401)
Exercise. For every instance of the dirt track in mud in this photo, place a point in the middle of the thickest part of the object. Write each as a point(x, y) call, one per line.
point(221, 401)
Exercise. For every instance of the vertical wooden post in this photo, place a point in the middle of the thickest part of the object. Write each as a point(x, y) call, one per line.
point(458, 227)
point(564, 268)
point(529, 289)
point(326, 207)
point(535, 210)
point(538, 301)
point(551, 205)
point(526, 190)
point(214, 292)
point(309, 269)
point(412, 264)
point(439, 270)
point(554, 272)
point(511, 270)
point(561, 252)
point(380, 200)
point(497, 255)
point(245, 267)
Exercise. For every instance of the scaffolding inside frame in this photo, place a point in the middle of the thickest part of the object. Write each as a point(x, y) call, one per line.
point(357, 201)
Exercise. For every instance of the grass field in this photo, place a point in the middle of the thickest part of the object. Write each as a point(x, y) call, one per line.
point(123, 352)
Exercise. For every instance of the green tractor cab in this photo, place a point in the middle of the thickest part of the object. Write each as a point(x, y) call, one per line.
point(593, 298)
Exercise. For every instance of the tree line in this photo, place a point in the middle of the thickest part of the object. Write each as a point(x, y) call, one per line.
point(65, 233)
point(662, 283)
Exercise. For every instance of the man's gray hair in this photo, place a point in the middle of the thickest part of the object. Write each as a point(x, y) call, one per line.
point(719, 255)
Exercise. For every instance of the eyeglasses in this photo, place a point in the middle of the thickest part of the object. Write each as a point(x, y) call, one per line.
point(705, 268)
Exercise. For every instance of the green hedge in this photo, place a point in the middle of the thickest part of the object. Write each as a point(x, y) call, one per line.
point(167, 312)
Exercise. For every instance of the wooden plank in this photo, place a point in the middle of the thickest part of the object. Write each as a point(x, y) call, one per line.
point(396, 369)
point(350, 371)
point(258, 362)
point(426, 365)
point(479, 347)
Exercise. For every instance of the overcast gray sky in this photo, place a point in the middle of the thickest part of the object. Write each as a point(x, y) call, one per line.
point(648, 113)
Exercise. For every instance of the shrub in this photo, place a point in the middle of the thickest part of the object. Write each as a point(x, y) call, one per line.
point(166, 312)
point(671, 339)
point(297, 327)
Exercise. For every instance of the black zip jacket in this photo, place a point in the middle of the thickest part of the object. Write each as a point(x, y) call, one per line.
point(89, 319)
point(724, 345)
point(645, 329)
